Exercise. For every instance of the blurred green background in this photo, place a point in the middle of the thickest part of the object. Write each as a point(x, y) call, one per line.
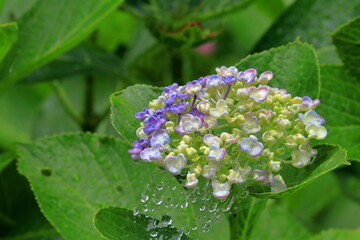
point(65, 58)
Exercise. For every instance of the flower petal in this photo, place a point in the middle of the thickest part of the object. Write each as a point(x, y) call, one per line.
point(175, 164)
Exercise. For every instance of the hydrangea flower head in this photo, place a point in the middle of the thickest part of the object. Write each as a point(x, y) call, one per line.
point(230, 128)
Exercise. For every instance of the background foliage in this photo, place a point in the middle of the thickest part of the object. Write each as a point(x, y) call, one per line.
point(64, 170)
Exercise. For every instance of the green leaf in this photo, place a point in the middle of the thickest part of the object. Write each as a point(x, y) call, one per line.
point(244, 216)
point(49, 122)
point(310, 201)
point(337, 234)
point(49, 29)
point(179, 12)
point(5, 159)
point(275, 222)
point(340, 96)
point(294, 66)
point(342, 213)
point(73, 175)
point(311, 21)
point(329, 158)
point(8, 36)
point(12, 10)
point(121, 224)
point(19, 109)
point(126, 103)
point(84, 59)
point(20, 216)
point(349, 180)
point(347, 42)
point(129, 26)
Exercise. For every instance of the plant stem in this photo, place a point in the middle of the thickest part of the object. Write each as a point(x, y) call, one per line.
point(244, 218)
point(90, 118)
point(66, 103)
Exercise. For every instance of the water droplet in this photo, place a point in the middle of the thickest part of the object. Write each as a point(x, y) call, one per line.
point(158, 200)
point(194, 227)
point(160, 186)
point(136, 212)
point(153, 233)
point(165, 221)
point(144, 197)
point(151, 224)
point(229, 205)
point(202, 208)
point(213, 207)
point(206, 228)
point(169, 202)
point(173, 188)
point(184, 205)
point(244, 194)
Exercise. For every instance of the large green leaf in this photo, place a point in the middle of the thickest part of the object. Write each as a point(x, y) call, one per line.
point(75, 174)
point(349, 180)
point(295, 68)
point(20, 216)
point(342, 213)
point(244, 216)
point(329, 158)
point(311, 20)
point(8, 36)
point(179, 12)
point(347, 41)
point(126, 103)
point(310, 201)
point(5, 159)
point(12, 10)
point(84, 59)
point(121, 224)
point(275, 222)
point(340, 96)
point(19, 109)
point(129, 26)
point(338, 234)
point(49, 29)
